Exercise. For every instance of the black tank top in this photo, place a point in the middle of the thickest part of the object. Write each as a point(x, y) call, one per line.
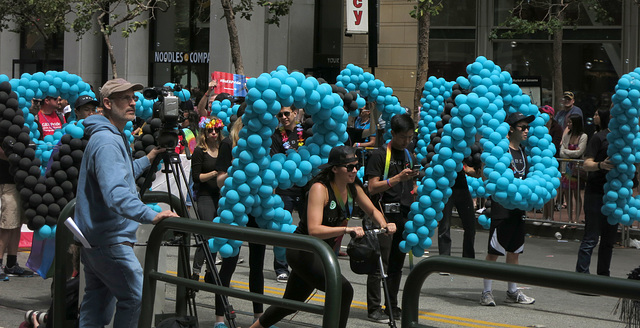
point(332, 213)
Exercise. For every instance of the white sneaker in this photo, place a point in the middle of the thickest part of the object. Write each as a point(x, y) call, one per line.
point(519, 297)
point(480, 211)
point(487, 299)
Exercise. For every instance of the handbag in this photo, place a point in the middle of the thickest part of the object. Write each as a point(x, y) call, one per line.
point(364, 253)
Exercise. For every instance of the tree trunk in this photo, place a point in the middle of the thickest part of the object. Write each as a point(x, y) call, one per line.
point(236, 55)
point(424, 24)
point(107, 42)
point(557, 69)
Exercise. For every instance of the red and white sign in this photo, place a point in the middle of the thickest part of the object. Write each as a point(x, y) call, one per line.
point(357, 17)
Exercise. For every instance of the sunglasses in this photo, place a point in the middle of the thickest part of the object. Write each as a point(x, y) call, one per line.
point(283, 114)
point(212, 129)
point(523, 127)
point(350, 167)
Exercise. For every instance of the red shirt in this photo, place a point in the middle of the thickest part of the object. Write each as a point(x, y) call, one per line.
point(50, 122)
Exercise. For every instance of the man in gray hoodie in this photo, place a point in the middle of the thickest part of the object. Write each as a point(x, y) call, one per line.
point(108, 212)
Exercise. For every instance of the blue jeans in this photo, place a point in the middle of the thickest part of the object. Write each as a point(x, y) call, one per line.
point(113, 277)
point(596, 227)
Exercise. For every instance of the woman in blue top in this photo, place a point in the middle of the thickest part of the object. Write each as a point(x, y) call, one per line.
point(324, 217)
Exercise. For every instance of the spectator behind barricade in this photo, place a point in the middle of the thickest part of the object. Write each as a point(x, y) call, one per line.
point(568, 109)
point(48, 118)
point(596, 161)
point(555, 130)
point(289, 135)
point(365, 132)
point(574, 143)
point(108, 212)
point(507, 231)
point(85, 106)
point(337, 183)
point(391, 176)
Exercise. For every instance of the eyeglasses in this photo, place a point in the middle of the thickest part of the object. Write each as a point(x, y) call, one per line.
point(350, 167)
point(523, 127)
point(283, 114)
point(126, 98)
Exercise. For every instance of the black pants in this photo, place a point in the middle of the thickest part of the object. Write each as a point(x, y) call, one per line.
point(306, 275)
point(392, 260)
point(461, 199)
point(596, 226)
point(207, 209)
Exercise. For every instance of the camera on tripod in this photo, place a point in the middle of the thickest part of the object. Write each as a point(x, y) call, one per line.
point(168, 110)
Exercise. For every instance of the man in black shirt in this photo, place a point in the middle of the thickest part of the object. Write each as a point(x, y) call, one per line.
point(506, 236)
point(391, 179)
point(596, 225)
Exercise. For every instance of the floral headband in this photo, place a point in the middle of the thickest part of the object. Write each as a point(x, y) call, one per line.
point(206, 123)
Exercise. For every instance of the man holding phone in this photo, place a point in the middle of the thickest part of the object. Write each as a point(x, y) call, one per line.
point(392, 172)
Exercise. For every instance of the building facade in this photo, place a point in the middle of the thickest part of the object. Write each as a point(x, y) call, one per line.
point(189, 41)
point(595, 52)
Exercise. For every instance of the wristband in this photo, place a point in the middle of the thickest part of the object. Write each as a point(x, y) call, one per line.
point(357, 144)
point(599, 168)
point(389, 183)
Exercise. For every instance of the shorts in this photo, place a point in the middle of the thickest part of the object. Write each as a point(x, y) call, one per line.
point(10, 209)
point(507, 235)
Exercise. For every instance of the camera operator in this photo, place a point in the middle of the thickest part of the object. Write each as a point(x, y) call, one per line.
point(392, 177)
point(108, 212)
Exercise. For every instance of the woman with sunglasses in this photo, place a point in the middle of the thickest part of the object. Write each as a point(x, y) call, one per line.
point(328, 205)
point(204, 174)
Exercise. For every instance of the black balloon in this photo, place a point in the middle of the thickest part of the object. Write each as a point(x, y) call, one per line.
point(48, 199)
point(35, 200)
point(40, 189)
point(57, 192)
point(60, 176)
point(38, 222)
point(42, 209)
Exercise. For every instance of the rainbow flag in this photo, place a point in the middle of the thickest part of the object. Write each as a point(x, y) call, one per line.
point(191, 139)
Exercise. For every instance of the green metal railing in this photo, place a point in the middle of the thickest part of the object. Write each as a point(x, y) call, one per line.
point(64, 238)
point(330, 310)
point(565, 280)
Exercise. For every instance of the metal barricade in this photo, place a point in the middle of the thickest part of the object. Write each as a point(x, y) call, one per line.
point(564, 280)
point(330, 310)
point(64, 238)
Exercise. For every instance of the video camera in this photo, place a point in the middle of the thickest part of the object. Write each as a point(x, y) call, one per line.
point(169, 111)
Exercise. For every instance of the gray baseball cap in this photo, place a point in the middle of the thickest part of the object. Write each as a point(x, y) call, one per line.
point(118, 85)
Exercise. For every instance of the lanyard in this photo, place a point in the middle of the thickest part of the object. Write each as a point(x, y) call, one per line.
point(342, 203)
point(387, 161)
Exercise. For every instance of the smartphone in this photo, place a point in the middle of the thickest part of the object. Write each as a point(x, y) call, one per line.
point(416, 167)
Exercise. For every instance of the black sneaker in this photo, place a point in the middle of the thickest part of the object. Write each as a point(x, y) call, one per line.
point(397, 313)
point(18, 271)
point(378, 316)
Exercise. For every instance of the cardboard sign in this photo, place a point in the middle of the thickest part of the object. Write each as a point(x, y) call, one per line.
point(233, 84)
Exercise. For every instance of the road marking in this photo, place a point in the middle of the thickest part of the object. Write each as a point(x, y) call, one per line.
point(430, 316)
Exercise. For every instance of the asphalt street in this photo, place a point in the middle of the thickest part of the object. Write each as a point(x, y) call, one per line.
point(447, 301)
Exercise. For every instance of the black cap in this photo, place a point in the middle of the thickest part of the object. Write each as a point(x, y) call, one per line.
point(85, 99)
point(340, 155)
point(517, 117)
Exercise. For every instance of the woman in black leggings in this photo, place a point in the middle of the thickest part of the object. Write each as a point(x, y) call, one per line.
point(324, 217)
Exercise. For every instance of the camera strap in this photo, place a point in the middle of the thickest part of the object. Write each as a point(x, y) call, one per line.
point(387, 161)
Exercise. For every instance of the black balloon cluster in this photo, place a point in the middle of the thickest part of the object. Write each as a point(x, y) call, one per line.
point(145, 143)
point(474, 160)
point(43, 197)
point(348, 98)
